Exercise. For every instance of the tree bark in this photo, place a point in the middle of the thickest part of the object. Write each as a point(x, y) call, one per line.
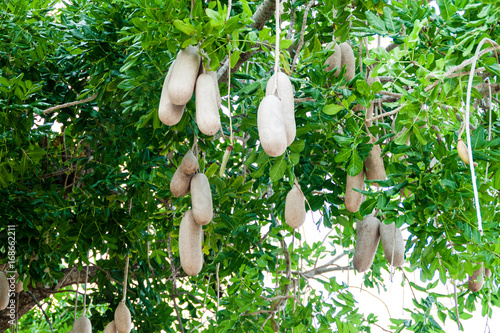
point(25, 301)
point(263, 14)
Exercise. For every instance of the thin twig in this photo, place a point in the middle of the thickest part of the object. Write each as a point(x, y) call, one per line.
point(366, 291)
point(174, 286)
point(389, 93)
point(292, 21)
point(411, 288)
point(385, 114)
point(64, 279)
point(67, 105)
point(277, 298)
point(321, 270)
point(259, 312)
point(461, 66)
point(108, 276)
point(381, 327)
point(177, 312)
point(43, 311)
point(456, 304)
point(301, 39)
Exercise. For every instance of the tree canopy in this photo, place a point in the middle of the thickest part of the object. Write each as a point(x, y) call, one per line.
point(85, 163)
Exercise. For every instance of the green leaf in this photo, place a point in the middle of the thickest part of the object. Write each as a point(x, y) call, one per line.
point(140, 23)
point(356, 165)
point(496, 180)
point(235, 56)
point(295, 158)
point(402, 139)
point(434, 323)
point(278, 169)
point(285, 44)
point(343, 155)
point(367, 206)
point(298, 146)
point(419, 136)
point(390, 24)
point(446, 8)
point(212, 169)
point(332, 109)
point(128, 64)
point(184, 27)
point(249, 89)
point(36, 153)
point(375, 22)
point(4, 81)
point(246, 8)
point(363, 87)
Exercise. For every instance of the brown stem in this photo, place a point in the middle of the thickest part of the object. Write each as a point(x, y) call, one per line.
point(302, 32)
point(67, 105)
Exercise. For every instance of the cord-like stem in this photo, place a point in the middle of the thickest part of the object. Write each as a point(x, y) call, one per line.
point(85, 291)
point(277, 46)
point(467, 131)
point(229, 102)
point(125, 279)
point(76, 294)
point(229, 5)
point(218, 286)
point(392, 255)
point(489, 128)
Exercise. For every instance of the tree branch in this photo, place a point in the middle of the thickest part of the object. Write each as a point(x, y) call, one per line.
point(263, 14)
point(320, 270)
point(27, 299)
point(380, 116)
point(302, 32)
point(43, 311)
point(391, 47)
point(67, 105)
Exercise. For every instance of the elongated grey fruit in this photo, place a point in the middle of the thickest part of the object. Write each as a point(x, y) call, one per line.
point(110, 328)
point(82, 325)
point(335, 60)
point(374, 164)
point(207, 109)
point(476, 280)
point(184, 74)
point(169, 113)
point(201, 199)
point(367, 239)
point(295, 211)
point(284, 92)
point(392, 242)
point(181, 181)
point(271, 126)
point(4, 291)
point(353, 199)
point(347, 59)
point(123, 318)
point(217, 91)
point(190, 239)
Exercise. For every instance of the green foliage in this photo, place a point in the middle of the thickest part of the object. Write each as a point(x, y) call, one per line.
point(98, 189)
